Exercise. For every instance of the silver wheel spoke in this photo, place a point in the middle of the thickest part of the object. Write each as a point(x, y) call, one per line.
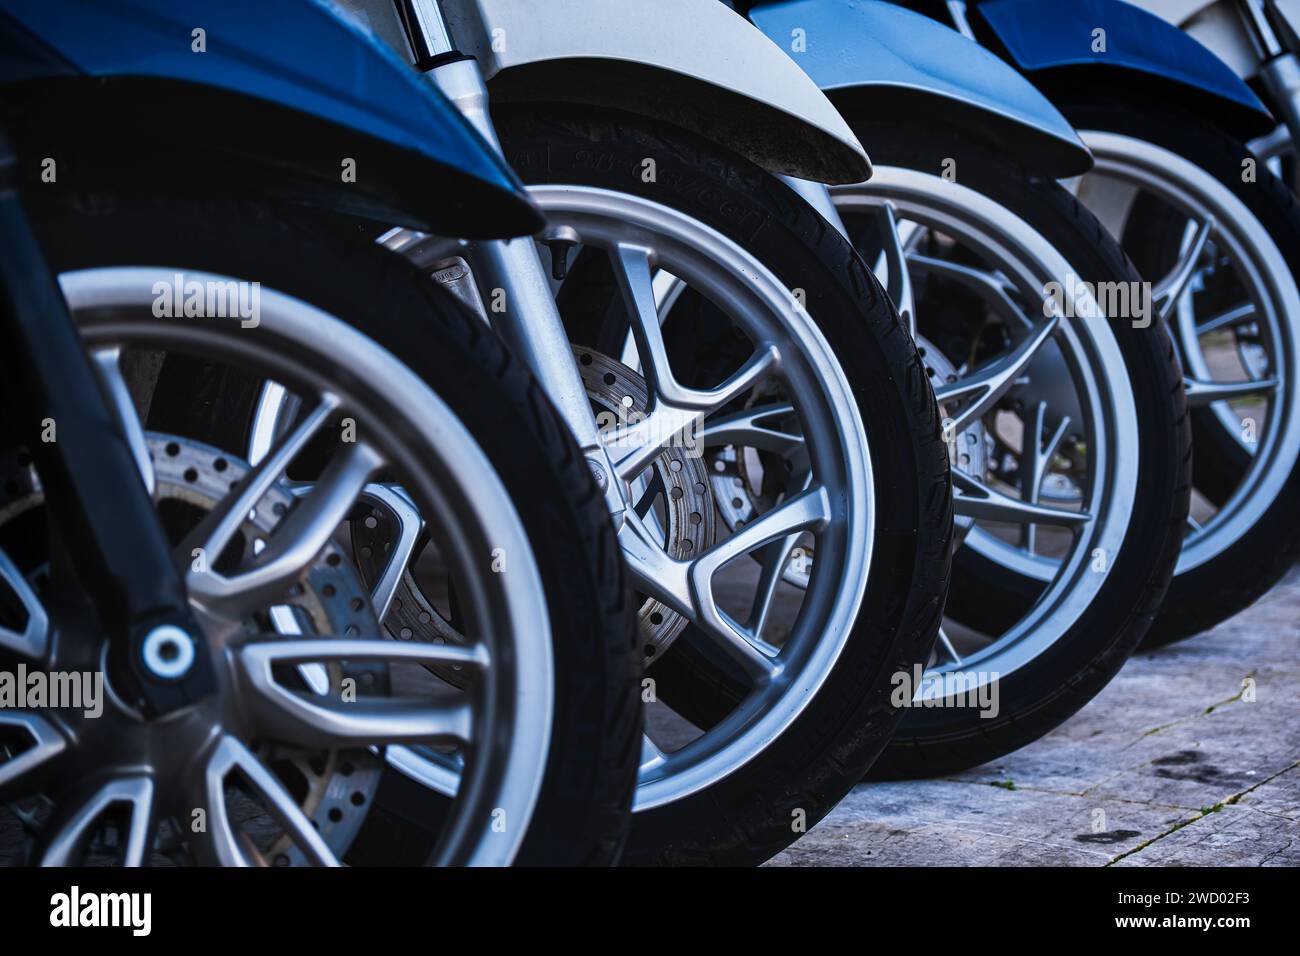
point(687, 586)
point(982, 388)
point(899, 284)
point(276, 650)
point(394, 500)
point(756, 658)
point(439, 772)
point(1171, 288)
point(632, 448)
point(747, 429)
point(108, 360)
point(1235, 316)
point(636, 282)
point(296, 541)
point(755, 369)
point(774, 558)
point(1202, 392)
point(46, 744)
point(73, 830)
point(975, 499)
point(312, 721)
point(994, 290)
point(673, 407)
point(221, 840)
point(1039, 462)
point(632, 266)
point(946, 643)
point(33, 640)
point(651, 568)
point(221, 524)
point(651, 756)
point(806, 511)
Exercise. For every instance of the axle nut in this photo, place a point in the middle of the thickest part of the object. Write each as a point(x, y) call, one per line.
point(168, 652)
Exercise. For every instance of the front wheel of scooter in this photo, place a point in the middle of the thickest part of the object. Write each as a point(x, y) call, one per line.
point(803, 539)
point(1069, 438)
point(1219, 237)
point(482, 488)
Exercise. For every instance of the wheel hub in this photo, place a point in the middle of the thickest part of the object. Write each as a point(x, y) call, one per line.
point(190, 479)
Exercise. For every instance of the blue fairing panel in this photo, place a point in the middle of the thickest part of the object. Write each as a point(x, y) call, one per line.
point(298, 54)
point(858, 44)
point(1045, 34)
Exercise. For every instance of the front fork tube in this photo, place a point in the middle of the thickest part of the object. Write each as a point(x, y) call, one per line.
point(1281, 77)
point(93, 489)
point(1279, 69)
point(511, 272)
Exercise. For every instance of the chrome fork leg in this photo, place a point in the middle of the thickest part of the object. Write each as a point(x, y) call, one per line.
point(510, 274)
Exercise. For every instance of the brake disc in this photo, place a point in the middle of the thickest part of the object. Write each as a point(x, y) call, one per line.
point(672, 497)
point(971, 449)
point(335, 789)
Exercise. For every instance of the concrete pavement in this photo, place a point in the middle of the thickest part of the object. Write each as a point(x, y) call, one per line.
point(1172, 764)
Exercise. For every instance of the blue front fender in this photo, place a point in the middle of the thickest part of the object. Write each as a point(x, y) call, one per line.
point(1045, 35)
point(867, 45)
point(318, 68)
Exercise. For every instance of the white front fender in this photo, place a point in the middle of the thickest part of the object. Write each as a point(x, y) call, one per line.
point(695, 63)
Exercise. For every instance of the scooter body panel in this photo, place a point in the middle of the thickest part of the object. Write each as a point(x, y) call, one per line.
point(1042, 36)
point(905, 60)
point(695, 63)
point(295, 71)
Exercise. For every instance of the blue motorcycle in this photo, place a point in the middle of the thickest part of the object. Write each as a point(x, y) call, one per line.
point(208, 677)
point(1218, 236)
point(1065, 420)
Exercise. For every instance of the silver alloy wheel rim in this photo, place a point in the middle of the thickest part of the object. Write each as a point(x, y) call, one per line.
point(1275, 299)
point(506, 726)
point(644, 236)
point(1089, 348)
point(338, 786)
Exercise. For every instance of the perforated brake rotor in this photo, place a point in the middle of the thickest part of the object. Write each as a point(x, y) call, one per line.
point(335, 788)
point(970, 450)
point(672, 496)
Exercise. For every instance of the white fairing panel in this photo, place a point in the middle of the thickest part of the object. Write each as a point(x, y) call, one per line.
point(740, 87)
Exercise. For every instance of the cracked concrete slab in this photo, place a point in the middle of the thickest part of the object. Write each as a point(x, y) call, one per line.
point(1176, 763)
point(1231, 836)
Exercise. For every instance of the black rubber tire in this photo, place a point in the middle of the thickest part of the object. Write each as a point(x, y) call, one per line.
point(583, 811)
point(747, 817)
point(1202, 597)
point(1039, 696)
